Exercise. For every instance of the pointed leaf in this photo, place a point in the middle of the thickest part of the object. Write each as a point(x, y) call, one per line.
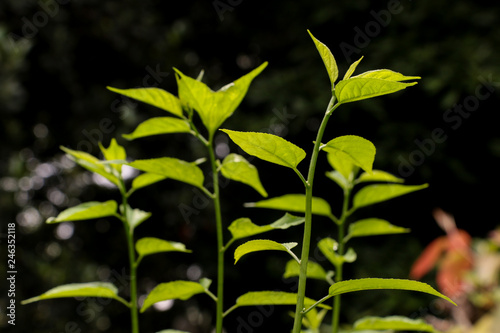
point(159, 125)
point(350, 149)
point(386, 74)
point(214, 107)
point(150, 245)
point(348, 286)
point(338, 178)
point(172, 168)
point(268, 147)
point(352, 68)
point(136, 216)
point(236, 167)
point(378, 176)
point(243, 227)
point(261, 245)
point(93, 164)
point(272, 298)
point(287, 221)
point(314, 270)
point(429, 257)
point(294, 203)
point(114, 152)
point(373, 227)
point(396, 323)
point(86, 211)
point(328, 59)
point(373, 194)
point(146, 179)
point(153, 96)
point(89, 289)
point(328, 247)
point(358, 88)
point(182, 290)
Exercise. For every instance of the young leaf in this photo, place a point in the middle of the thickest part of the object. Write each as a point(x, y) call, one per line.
point(89, 289)
point(159, 125)
point(86, 211)
point(328, 247)
point(350, 149)
point(294, 203)
point(272, 298)
point(262, 245)
point(150, 245)
point(396, 323)
point(338, 178)
point(352, 68)
point(378, 176)
point(386, 74)
point(373, 227)
point(93, 164)
point(182, 290)
point(146, 179)
point(373, 194)
point(114, 152)
point(348, 286)
point(359, 88)
point(172, 168)
point(236, 167)
point(328, 60)
point(314, 270)
point(136, 216)
point(153, 96)
point(287, 221)
point(214, 107)
point(268, 147)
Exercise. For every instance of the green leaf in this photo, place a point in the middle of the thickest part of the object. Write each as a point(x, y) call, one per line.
point(373, 194)
point(236, 167)
point(268, 147)
point(182, 290)
point(386, 74)
point(396, 323)
point(159, 125)
point(272, 298)
point(359, 88)
point(328, 59)
point(150, 245)
point(314, 270)
point(287, 221)
point(114, 152)
point(262, 245)
point(172, 168)
point(214, 107)
point(373, 227)
point(348, 150)
point(313, 320)
point(153, 96)
point(352, 68)
point(294, 203)
point(136, 216)
point(338, 178)
point(89, 289)
point(348, 286)
point(146, 179)
point(86, 211)
point(378, 176)
point(328, 247)
point(171, 331)
point(93, 164)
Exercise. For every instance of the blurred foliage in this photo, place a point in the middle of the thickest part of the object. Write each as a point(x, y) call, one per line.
point(57, 56)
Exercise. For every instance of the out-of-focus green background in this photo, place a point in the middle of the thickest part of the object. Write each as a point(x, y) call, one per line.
point(57, 57)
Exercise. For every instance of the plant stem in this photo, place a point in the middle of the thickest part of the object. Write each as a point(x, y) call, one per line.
point(134, 315)
point(297, 324)
point(220, 238)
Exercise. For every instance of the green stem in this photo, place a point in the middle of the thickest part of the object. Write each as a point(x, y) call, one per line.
point(297, 324)
point(134, 314)
point(220, 238)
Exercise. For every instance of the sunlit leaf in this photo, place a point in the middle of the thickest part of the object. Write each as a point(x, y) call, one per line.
point(86, 211)
point(329, 246)
point(268, 147)
point(214, 107)
point(151, 245)
point(159, 125)
point(244, 227)
point(114, 152)
point(378, 176)
point(396, 323)
point(352, 68)
point(373, 194)
point(338, 178)
point(89, 289)
point(146, 179)
point(272, 298)
point(236, 167)
point(314, 270)
point(346, 150)
point(172, 168)
point(373, 227)
point(136, 216)
point(359, 88)
point(182, 290)
point(261, 245)
point(294, 203)
point(328, 59)
point(153, 96)
point(386, 74)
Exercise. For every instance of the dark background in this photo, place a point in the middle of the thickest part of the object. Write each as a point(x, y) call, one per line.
point(57, 57)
